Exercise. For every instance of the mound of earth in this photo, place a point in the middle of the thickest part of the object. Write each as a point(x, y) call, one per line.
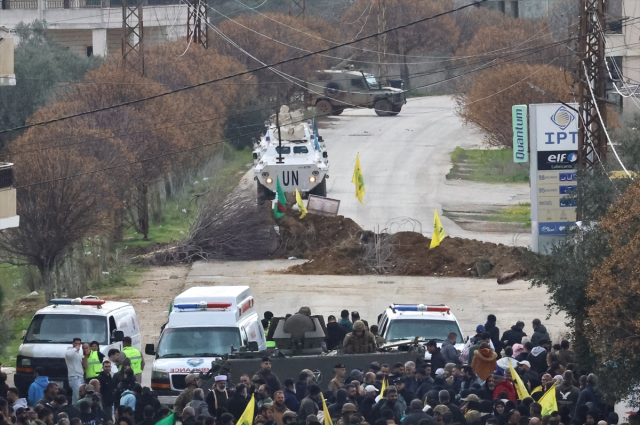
point(338, 246)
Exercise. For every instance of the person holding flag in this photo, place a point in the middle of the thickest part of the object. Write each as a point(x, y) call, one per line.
point(325, 412)
point(521, 389)
point(549, 401)
point(249, 413)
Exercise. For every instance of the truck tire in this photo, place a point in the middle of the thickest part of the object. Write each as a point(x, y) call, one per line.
point(337, 111)
point(396, 110)
point(320, 189)
point(383, 108)
point(332, 89)
point(324, 108)
point(264, 194)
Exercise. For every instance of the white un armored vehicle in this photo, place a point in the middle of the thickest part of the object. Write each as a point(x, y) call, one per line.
point(298, 158)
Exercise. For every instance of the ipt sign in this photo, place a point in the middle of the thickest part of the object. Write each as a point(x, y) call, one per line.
point(556, 128)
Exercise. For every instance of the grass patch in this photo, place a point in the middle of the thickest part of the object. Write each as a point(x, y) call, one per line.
point(487, 165)
point(520, 213)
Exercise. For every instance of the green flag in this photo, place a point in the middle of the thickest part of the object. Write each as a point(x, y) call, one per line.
point(279, 206)
point(169, 420)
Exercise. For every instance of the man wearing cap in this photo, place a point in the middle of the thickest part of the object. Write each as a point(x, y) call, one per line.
point(265, 374)
point(416, 414)
point(89, 391)
point(348, 410)
point(529, 376)
point(218, 396)
point(22, 416)
point(186, 396)
point(289, 417)
point(359, 341)
point(367, 403)
point(338, 380)
point(438, 412)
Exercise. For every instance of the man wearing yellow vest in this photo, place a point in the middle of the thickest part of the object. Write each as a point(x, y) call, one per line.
point(93, 362)
point(137, 362)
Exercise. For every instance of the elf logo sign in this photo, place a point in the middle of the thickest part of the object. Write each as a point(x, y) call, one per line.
point(557, 160)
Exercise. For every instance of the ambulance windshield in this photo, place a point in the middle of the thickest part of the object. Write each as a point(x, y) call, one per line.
point(62, 328)
point(428, 329)
point(200, 342)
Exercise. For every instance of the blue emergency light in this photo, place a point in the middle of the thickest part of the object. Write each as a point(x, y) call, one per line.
point(420, 307)
point(202, 305)
point(77, 301)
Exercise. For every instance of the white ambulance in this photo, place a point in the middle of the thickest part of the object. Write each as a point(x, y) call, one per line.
point(204, 324)
point(54, 327)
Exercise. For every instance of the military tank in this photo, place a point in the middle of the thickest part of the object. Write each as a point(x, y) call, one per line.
point(292, 152)
point(299, 346)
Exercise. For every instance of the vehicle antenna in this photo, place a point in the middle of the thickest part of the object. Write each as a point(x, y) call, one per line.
point(280, 160)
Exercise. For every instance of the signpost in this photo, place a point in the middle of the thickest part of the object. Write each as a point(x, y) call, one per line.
point(520, 133)
point(554, 160)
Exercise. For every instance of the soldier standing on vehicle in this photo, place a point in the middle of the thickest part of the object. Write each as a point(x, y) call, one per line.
point(137, 362)
point(265, 374)
point(186, 396)
point(359, 341)
point(338, 381)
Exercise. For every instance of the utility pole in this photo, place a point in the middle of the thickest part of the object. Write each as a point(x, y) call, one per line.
point(297, 8)
point(197, 20)
point(132, 36)
point(382, 40)
point(592, 142)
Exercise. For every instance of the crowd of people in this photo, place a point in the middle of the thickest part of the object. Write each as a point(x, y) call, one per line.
point(472, 386)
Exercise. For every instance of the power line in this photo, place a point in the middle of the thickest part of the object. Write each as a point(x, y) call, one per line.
point(245, 72)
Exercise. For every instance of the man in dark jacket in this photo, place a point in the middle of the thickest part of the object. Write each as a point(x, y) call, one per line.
point(445, 399)
point(538, 358)
point(513, 335)
point(416, 414)
point(106, 388)
point(567, 394)
point(335, 333)
point(448, 349)
point(265, 374)
point(238, 402)
point(310, 404)
point(389, 403)
point(366, 405)
point(539, 332)
point(303, 384)
point(491, 327)
point(565, 355)
point(437, 359)
point(290, 399)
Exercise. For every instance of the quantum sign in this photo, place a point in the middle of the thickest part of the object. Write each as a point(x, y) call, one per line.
point(520, 133)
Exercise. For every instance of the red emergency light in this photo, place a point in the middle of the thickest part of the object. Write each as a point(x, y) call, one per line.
point(420, 307)
point(202, 305)
point(77, 301)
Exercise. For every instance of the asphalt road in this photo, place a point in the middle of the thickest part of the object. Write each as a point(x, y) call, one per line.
point(405, 160)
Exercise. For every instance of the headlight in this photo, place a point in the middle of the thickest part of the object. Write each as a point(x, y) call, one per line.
point(312, 179)
point(269, 180)
point(155, 374)
point(25, 362)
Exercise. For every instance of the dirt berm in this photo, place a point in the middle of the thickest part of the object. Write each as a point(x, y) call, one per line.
point(338, 246)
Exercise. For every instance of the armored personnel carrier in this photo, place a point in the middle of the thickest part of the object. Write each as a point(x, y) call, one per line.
point(332, 91)
point(291, 151)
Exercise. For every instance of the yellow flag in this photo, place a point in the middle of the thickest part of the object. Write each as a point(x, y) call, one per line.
point(358, 180)
point(521, 389)
point(438, 231)
point(536, 389)
point(383, 387)
point(248, 414)
point(325, 411)
point(301, 207)
point(548, 401)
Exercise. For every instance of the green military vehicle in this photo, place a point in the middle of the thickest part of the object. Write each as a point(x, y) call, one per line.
point(332, 91)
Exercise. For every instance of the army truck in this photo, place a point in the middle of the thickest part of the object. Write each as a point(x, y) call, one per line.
point(332, 91)
point(299, 346)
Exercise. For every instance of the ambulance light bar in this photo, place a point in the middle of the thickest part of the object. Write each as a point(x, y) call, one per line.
point(420, 307)
point(77, 301)
point(202, 305)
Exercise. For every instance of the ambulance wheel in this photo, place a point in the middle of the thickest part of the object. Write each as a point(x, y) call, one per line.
point(324, 108)
point(320, 190)
point(383, 108)
point(264, 194)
